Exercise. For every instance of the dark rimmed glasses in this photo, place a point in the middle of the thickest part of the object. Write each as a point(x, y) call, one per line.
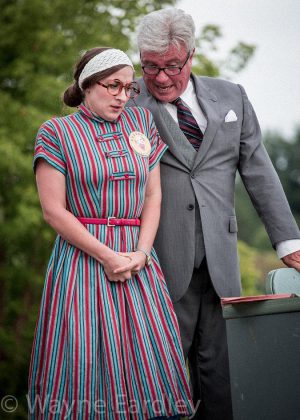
point(115, 87)
point(169, 71)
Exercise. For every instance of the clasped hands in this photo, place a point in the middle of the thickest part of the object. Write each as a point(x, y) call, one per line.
point(121, 266)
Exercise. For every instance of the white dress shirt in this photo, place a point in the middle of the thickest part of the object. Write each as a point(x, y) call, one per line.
point(189, 98)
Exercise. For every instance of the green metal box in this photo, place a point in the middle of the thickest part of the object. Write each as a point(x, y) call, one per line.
point(264, 358)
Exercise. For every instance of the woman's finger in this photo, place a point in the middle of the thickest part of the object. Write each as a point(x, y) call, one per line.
point(128, 267)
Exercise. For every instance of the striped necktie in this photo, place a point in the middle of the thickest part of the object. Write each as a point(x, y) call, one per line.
point(188, 124)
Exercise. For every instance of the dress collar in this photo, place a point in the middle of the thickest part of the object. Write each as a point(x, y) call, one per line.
point(88, 113)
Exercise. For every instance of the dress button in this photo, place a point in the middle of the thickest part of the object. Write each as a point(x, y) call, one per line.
point(190, 207)
point(115, 137)
point(126, 175)
point(100, 138)
point(120, 153)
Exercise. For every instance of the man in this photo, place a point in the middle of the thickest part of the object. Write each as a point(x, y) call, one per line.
point(197, 238)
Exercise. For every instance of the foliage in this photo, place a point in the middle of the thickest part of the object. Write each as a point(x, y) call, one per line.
point(249, 272)
point(206, 61)
point(254, 267)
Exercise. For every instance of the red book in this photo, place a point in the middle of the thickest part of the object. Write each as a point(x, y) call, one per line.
point(243, 299)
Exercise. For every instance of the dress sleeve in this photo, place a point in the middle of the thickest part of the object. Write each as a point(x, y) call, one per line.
point(48, 147)
point(158, 147)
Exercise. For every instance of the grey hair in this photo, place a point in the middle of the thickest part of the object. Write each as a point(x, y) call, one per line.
point(160, 29)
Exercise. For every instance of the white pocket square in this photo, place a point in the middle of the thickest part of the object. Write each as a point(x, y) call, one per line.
point(231, 116)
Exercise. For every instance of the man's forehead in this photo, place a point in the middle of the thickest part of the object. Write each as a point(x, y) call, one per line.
point(172, 54)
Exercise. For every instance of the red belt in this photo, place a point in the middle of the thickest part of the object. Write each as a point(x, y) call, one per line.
point(110, 221)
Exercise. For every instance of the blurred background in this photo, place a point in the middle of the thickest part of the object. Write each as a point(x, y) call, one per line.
point(254, 43)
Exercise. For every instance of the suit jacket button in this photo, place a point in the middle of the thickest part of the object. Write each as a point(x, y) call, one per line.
point(190, 207)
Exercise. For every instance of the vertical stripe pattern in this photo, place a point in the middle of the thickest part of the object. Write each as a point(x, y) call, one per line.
point(104, 350)
point(188, 124)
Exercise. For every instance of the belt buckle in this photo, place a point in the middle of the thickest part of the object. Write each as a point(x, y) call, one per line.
point(108, 221)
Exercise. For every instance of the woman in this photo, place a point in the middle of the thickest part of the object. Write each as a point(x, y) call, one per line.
point(107, 341)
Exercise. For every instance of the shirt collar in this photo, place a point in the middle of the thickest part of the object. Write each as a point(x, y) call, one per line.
point(189, 92)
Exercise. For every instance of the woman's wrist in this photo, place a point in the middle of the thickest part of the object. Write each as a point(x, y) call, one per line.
point(147, 255)
point(105, 254)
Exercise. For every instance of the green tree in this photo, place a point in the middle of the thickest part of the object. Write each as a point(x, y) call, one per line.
point(255, 266)
point(39, 42)
point(207, 61)
point(250, 274)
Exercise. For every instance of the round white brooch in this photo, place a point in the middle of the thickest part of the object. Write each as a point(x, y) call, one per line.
point(139, 143)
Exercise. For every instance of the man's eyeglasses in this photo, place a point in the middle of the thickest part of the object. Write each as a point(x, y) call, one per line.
point(115, 87)
point(170, 70)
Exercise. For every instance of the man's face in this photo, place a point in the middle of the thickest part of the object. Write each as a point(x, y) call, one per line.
point(164, 87)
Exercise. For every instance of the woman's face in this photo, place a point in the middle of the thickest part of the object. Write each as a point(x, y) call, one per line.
point(102, 103)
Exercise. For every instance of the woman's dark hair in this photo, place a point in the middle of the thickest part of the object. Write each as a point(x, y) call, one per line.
point(73, 96)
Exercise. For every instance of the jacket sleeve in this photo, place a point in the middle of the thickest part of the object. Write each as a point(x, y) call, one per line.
point(261, 180)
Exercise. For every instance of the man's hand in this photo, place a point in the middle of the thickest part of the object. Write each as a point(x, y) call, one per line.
point(292, 260)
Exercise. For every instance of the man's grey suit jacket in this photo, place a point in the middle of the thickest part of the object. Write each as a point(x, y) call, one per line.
point(208, 177)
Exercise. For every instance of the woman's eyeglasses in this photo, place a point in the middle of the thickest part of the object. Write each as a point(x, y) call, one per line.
point(115, 87)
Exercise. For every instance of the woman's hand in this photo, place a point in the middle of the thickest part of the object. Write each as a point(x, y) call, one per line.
point(113, 267)
point(137, 263)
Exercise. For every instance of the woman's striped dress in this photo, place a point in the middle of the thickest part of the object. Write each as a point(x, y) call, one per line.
point(104, 350)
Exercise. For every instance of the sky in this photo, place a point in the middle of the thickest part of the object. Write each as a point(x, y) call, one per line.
point(272, 77)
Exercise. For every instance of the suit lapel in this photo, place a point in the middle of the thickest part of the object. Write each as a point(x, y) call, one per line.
point(179, 146)
point(168, 130)
point(210, 107)
point(171, 133)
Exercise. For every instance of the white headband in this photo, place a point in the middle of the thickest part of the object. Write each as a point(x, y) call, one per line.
point(102, 61)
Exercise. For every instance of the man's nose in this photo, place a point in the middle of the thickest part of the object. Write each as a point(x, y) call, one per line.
point(162, 76)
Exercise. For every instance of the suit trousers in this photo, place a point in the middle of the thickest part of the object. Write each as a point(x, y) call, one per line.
point(203, 334)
